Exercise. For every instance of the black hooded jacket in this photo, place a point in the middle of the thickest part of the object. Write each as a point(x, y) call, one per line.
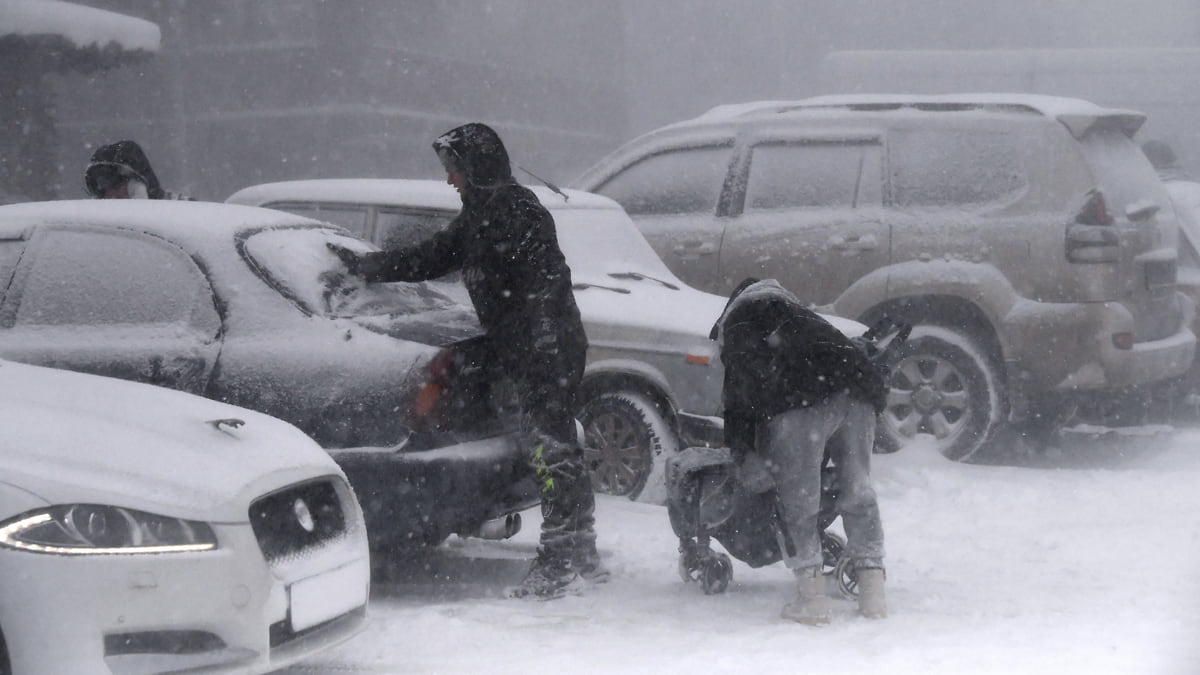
point(504, 243)
point(779, 355)
point(126, 158)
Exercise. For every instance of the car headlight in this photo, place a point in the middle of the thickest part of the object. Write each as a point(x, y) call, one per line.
point(91, 529)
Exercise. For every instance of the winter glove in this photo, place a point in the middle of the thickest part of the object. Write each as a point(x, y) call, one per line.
point(753, 473)
point(349, 258)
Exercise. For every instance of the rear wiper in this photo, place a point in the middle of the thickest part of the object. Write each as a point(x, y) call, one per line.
point(642, 277)
point(583, 285)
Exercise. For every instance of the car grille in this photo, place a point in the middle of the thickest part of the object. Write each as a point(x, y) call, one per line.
point(297, 518)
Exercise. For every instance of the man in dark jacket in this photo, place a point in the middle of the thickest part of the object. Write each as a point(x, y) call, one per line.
point(504, 243)
point(795, 385)
point(121, 170)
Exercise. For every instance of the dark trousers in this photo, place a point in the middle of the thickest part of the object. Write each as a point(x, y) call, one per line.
point(549, 392)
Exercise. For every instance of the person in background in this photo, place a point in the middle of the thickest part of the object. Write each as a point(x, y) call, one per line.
point(121, 170)
point(794, 386)
point(504, 243)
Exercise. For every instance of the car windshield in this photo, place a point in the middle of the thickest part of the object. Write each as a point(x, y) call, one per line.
point(603, 244)
point(299, 264)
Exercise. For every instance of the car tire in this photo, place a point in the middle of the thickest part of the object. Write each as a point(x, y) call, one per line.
point(942, 384)
point(626, 444)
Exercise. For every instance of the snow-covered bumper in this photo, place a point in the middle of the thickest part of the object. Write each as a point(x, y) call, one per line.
point(1102, 341)
point(249, 606)
point(415, 498)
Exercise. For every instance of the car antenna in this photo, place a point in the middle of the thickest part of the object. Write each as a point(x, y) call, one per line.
point(545, 182)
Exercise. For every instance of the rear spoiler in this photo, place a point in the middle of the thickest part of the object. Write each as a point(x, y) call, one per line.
point(1126, 121)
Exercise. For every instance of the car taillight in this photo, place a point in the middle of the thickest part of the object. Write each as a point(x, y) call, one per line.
point(1122, 341)
point(432, 403)
point(1093, 238)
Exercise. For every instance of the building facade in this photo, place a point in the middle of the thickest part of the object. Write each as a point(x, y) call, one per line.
point(246, 92)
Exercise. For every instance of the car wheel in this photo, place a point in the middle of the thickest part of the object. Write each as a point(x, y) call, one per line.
point(626, 444)
point(941, 384)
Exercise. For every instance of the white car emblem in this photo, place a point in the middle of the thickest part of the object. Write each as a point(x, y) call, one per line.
point(303, 515)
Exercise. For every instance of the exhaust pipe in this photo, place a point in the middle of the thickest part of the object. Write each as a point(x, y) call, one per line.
point(500, 528)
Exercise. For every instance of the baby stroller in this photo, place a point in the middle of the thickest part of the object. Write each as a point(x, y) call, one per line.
point(705, 502)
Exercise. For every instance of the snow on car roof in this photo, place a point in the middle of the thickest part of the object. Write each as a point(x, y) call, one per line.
point(83, 26)
point(1076, 114)
point(418, 193)
point(193, 223)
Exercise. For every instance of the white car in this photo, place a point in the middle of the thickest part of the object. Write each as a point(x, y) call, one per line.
point(653, 379)
point(144, 530)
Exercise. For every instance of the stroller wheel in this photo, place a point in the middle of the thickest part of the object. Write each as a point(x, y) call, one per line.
point(847, 578)
point(832, 548)
point(716, 571)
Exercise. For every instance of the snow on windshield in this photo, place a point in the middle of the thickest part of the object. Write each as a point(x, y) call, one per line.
point(598, 242)
point(299, 264)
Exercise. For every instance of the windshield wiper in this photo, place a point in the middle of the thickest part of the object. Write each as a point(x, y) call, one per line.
point(642, 277)
point(583, 285)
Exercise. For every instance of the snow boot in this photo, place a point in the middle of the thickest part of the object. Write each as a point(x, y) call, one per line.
point(547, 579)
point(811, 606)
point(871, 601)
point(586, 562)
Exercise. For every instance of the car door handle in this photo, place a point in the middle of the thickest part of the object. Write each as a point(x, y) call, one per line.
point(695, 249)
point(853, 242)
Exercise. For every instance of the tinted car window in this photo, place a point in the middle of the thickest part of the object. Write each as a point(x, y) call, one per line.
point(10, 252)
point(942, 167)
point(687, 180)
point(399, 229)
point(814, 175)
point(353, 218)
point(110, 278)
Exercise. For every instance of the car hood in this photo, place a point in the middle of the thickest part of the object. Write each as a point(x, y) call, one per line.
point(75, 438)
point(620, 309)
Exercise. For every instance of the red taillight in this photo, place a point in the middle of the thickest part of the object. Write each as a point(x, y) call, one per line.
point(1095, 210)
point(430, 406)
point(1123, 341)
point(1092, 237)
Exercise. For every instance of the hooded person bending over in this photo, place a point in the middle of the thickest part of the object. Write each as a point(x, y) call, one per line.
point(121, 170)
point(795, 385)
point(504, 243)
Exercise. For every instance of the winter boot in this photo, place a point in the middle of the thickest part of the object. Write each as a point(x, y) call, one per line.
point(548, 578)
point(586, 562)
point(811, 605)
point(871, 602)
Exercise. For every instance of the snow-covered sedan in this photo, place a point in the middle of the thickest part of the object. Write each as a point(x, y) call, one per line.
point(144, 530)
point(248, 306)
point(653, 379)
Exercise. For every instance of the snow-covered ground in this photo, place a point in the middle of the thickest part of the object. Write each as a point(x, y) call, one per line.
point(1083, 561)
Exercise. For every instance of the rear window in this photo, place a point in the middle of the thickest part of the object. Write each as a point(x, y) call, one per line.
point(349, 216)
point(297, 262)
point(955, 168)
point(685, 180)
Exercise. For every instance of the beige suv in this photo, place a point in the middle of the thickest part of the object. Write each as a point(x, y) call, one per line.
point(1026, 237)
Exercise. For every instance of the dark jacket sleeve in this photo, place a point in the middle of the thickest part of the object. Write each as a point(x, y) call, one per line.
point(745, 362)
point(430, 259)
